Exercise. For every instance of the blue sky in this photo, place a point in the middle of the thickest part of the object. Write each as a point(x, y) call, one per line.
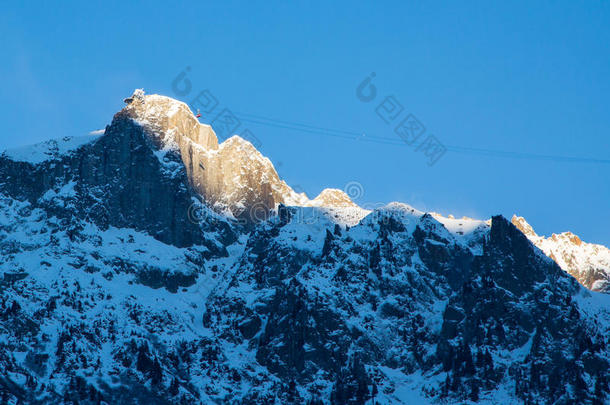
point(516, 77)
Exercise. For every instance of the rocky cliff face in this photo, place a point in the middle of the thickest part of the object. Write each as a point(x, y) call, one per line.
point(233, 177)
point(116, 180)
point(587, 262)
point(112, 290)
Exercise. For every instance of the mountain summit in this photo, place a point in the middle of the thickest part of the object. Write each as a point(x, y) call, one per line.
point(233, 177)
point(587, 262)
point(135, 269)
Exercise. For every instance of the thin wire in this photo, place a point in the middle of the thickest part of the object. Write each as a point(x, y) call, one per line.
point(300, 125)
point(352, 135)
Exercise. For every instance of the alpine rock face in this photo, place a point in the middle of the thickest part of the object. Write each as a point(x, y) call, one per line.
point(233, 177)
point(587, 262)
point(134, 271)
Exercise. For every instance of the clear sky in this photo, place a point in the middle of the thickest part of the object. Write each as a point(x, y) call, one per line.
point(528, 78)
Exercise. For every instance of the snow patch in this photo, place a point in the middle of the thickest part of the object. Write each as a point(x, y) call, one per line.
point(49, 150)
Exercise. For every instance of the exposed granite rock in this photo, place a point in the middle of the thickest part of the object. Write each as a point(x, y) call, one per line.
point(119, 180)
point(232, 177)
point(588, 263)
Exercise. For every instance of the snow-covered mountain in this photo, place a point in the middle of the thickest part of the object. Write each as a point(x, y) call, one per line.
point(132, 274)
point(587, 262)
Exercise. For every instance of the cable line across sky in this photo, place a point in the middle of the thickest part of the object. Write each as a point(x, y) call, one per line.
point(362, 136)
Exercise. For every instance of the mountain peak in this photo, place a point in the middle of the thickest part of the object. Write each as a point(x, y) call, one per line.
point(587, 262)
point(333, 197)
point(241, 142)
point(569, 236)
point(233, 177)
point(171, 121)
point(523, 226)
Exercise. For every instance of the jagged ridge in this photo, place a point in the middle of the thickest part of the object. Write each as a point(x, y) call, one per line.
point(587, 262)
point(111, 292)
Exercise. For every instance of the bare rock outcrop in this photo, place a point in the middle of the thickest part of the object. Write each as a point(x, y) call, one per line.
point(587, 262)
point(233, 177)
point(332, 197)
